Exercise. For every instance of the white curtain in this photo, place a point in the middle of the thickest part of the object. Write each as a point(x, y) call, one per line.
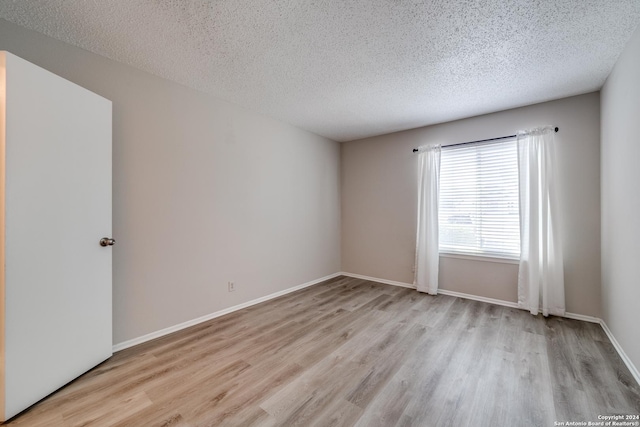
point(427, 256)
point(541, 274)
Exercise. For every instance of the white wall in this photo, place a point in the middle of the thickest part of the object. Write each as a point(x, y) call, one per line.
point(379, 177)
point(204, 192)
point(621, 199)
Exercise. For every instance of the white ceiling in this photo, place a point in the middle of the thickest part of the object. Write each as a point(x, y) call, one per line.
point(358, 68)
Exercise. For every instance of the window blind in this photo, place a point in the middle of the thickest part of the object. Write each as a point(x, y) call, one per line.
point(478, 212)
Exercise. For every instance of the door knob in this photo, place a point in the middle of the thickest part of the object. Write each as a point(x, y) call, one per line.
point(105, 241)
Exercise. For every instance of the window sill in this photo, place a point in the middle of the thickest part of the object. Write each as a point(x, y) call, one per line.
point(481, 258)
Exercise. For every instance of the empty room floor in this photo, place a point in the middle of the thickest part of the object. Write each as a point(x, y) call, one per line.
point(353, 352)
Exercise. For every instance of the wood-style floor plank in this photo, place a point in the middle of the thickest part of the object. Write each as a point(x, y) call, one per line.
point(350, 352)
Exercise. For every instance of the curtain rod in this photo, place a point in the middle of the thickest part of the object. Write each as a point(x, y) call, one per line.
point(415, 150)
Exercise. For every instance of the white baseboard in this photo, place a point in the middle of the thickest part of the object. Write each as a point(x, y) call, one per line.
point(440, 291)
point(175, 328)
point(623, 355)
point(375, 279)
point(582, 317)
point(468, 296)
point(479, 298)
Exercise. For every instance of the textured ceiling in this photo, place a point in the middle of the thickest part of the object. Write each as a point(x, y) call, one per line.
point(351, 69)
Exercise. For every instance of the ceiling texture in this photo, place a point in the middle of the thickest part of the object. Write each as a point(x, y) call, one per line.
point(352, 69)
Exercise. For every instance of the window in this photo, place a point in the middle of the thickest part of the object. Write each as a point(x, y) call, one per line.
point(478, 212)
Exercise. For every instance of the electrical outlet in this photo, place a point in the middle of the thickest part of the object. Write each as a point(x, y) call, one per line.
point(232, 286)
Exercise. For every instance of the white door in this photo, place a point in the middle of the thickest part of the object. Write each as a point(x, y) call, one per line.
point(57, 207)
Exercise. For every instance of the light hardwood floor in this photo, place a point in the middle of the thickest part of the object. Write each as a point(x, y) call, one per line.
point(353, 352)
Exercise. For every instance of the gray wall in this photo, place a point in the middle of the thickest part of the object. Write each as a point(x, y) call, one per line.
point(379, 178)
point(205, 192)
point(621, 199)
